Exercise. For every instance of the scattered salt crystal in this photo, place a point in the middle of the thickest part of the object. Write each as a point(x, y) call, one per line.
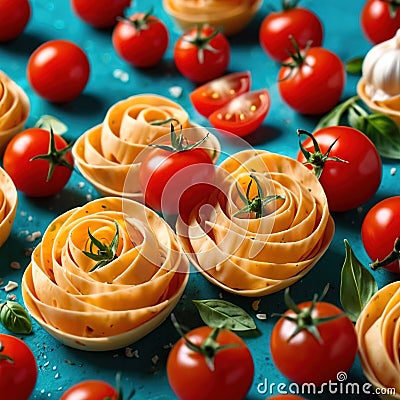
point(131, 353)
point(393, 171)
point(23, 213)
point(15, 265)
point(359, 210)
point(46, 364)
point(30, 218)
point(175, 91)
point(56, 376)
point(121, 75)
point(168, 346)
point(89, 197)
point(220, 295)
point(261, 316)
point(255, 304)
point(81, 185)
point(11, 285)
point(155, 359)
point(54, 368)
point(33, 236)
point(11, 297)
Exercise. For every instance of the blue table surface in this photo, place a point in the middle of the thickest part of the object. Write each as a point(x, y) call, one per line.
point(60, 366)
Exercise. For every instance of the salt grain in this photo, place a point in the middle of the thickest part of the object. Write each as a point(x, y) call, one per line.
point(33, 236)
point(155, 359)
point(393, 171)
point(261, 316)
point(131, 353)
point(175, 91)
point(11, 285)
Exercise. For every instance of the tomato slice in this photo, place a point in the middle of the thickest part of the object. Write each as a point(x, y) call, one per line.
point(244, 114)
point(214, 94)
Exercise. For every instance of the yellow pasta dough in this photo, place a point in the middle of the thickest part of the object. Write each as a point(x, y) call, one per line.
point(14, 109)
point(230, 15)
point(378, 332)
point(63, 291)
point(8, 205)
point(110, 152)
point(257, 256)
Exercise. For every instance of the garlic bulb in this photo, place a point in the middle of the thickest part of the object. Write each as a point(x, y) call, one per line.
point(381, 70)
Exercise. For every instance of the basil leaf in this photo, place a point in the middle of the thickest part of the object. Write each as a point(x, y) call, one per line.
point(15, 318)
point(334, 117)
point(384, 133)
point(357, 285)
point(354, 66)
point(222, 314)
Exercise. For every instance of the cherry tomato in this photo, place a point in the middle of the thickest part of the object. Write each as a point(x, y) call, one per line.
point(140, 40)
point(378, 22)
point(307, 357)
point(277, 28)
point(30, 176)
point(14, 16)
point(202, 54)
point(347, 184)
point(58, 70)
point(242, 115)
point(213, 95)
point(99, 13)
point(380, 229)
point(175, 181)
point(315, 82)
point(18, 369)
point(91, 390)
point(191, 378)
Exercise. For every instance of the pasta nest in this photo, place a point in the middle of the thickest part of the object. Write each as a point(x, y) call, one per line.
point(119, 302)
point(258, 256)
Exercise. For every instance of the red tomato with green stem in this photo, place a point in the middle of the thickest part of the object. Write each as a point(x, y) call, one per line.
point(380, 20)
point(313, 341)
point(18, 369)
point(277, 28)
point(311, 81)
point(346, 162)
point(141, 40)
point(214, 94)
point(39, 162)
point(243, 114)
point(100, 13)
point(210, 364)
point(14, 16)
point(96, 389)
point(175, 177)
point(58, 70)
point(202, 54)
point(380, 233)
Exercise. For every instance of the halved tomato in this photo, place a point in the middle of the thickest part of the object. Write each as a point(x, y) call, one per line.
point(244, 114)
point(214, 94)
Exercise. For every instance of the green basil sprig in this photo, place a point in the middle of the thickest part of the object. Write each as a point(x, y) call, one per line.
point(357, 284)
point(15, 318)
point(381, 129)
point(223, 314)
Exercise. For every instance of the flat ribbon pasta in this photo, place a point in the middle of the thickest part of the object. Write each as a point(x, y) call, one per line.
point(62, 290)
point(14, 109)
point(108, 152)
point(231, 15)
point(378, 332)
point(8, 205)
point(257, 256)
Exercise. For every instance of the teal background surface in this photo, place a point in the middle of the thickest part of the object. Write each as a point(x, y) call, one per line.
point(60, 366)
